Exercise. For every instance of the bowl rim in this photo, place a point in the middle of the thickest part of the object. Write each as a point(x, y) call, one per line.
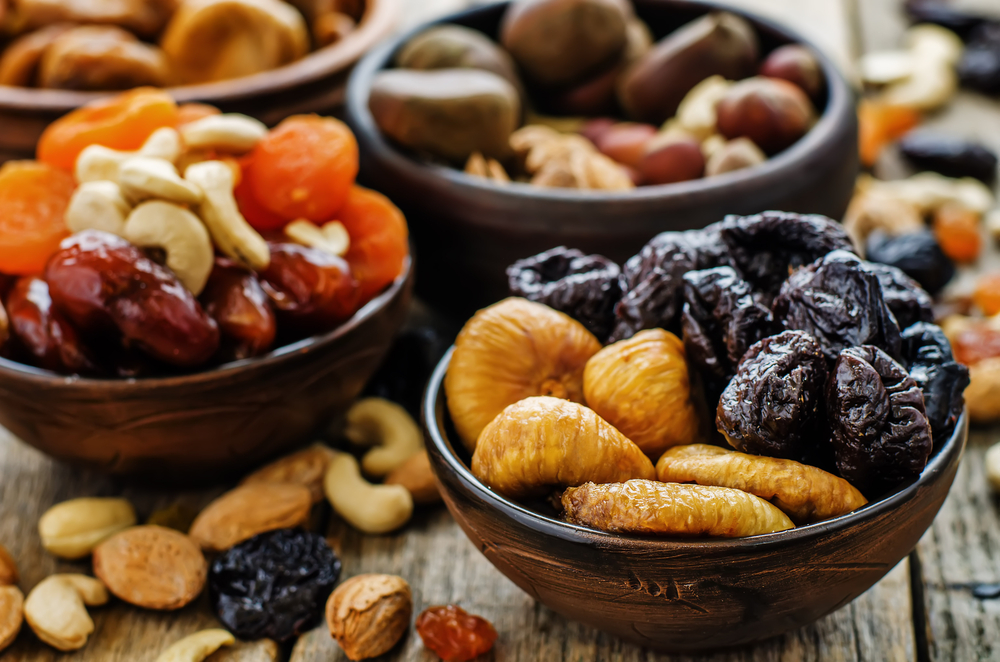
point(434, 408)
point(25, 372)
point(839, 102)
point(377, 21)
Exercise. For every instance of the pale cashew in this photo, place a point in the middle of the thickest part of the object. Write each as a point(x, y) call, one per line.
point(388, 427)
point(56, 609)
point(142, 178)
point(232, 132)
point(931, 85)
point(230, 231)
point(368, 508)
point(97, 162)
point(331, 238)
point(11, 614)
point(992, 468)
point(934, 42)
point(884, 67)
point(180, 234)
point(72, 529)
point(928, 191)
point(164, 143)
point(97, 205)
point(196, 647)
point(696, 112)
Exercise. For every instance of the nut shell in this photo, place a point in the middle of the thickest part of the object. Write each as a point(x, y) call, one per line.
point(368, 614)
point(242, 513)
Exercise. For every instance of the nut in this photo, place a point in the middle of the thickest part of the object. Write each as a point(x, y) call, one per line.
point(97, 205)
point(143, 177)
point(11, 614)
point(72, 529)
point(931, 85)
point(151, 567)
point(230, 231)
point(417, 477)
point(388, 427)
point(196, 647)
point(874, 209)
point(306, 467)
point(696, 114)
point(231, 133)
point(248, 510)
point(672, 157)
point(626, 142)
point(541, 442)
point(982, 397)
point(479, 166)
point(773, 113)
point(368, 508)
point(884, 67)
point(8, 568)
point(368, 614)
point(331, 238)
point(934, 42)
point(992, 475)
point(929, 191)
point(97, 162)
point(733, 155)
point(180, 234)
point(56, 609)
point(798, 65)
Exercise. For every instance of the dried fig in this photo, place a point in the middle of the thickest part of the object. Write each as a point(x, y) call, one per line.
point(93, 57)
point(510, 351)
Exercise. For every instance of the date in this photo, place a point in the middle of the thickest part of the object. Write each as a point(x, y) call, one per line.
point(234, 298)
point(44, 337)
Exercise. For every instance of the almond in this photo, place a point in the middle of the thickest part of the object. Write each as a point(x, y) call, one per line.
point(8, 568)
point(248, 510)
point(417, 477)
point(368, 614)
point(306, 467)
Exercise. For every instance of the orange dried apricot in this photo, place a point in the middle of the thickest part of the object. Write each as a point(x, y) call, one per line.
point(262, 219)
point(987, 294)
point(378, 239)
point(957, 232)
point(33, 200)
point(192, 112)
point(976, 343)
point(879, 125)
point(121, 122)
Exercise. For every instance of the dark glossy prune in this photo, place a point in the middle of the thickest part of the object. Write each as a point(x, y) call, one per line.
point(236, 301)
point(273, 585)
point(941, 379)
point(880, 433)
point(948, 155)
point(766, 247)
point(44, 337)
point(917, 254)
point(944, 14)
point(979, 68)
point(585, 287)
point(721, 320)
point(839, 302)
point(408, 366)
point(908, 301)
point(774, 404)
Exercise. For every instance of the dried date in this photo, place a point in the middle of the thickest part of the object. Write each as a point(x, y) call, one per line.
point(941, 379)
point(950, 156)
point(917, 254)
point(44, 337)
point(908, 302)
point(236, 301)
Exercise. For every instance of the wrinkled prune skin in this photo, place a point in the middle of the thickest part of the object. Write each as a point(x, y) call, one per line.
point(236, 301)
point(839, 302)
point(766, 247)
point(950, 156)
point(908, 302)
point(928, 357)
point(44, 337)
point(408, 366)
point(917, 254)
point(585, 287)
point(103, 283)
point(774, 404)
point(273, 585)
point(880, 433)
point(944, 14)
point(979, 68)
point(720, 320)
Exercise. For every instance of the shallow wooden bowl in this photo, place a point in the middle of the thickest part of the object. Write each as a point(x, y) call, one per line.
point(208, 424)
point(314, 84)
point(686, 595)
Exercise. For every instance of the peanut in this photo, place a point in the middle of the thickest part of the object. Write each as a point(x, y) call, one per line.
point(72, 529)
point(56, 609)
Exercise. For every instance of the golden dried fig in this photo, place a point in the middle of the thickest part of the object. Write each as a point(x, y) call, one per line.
point(19, 61)
point(642, 387)
point(94, 57)
point(510, 351)
point(541, 443)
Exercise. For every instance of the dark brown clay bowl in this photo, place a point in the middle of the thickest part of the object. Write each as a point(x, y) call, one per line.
point(209, 424)
point(686, 595)
point(314, 84)
point(468, 230)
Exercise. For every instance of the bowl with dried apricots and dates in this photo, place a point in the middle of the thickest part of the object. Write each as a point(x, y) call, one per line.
point(186, 291)
point(736, 432)
point(510, 128)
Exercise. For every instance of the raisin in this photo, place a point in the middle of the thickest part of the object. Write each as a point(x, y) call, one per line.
point(928, 356)
point(839, 302)
point(908, 302)
point(273, 585)
point(950, 156)
point(774, 404)
point(957, 232)
point(585, 287)
point(944, 14)
point(880, 432)
point(987, 294)
point(917, 254)
point(453, 634)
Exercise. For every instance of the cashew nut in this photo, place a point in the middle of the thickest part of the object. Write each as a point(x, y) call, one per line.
point(993, 467)
point(696, 112)
point(388, 427)
point(180, 234)
point(331, 238)
point(928, 191)
point(930, 86)
point(196, 647)
point(231, 132)
point(934, 42)
point(72, 529)
point(368, 508)
point(142, 178)
point(97, 205)
point(11, 614)
point(55, 609)
point(230, 231)
point(98, 162)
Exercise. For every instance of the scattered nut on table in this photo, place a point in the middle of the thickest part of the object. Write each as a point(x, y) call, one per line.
point(8, 568)
point(196, 647)
point(11, 614)
point(368, 508)
point(56, 609)
point(993, 466)
point(248, 510)
point(306, 467)
point(417, 477)
point(72, 529)
point(368, 614)
point(387, 427)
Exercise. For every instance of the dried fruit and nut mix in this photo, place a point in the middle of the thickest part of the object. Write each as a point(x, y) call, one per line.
point(577, 95)
point(764, 333)
point(205, 237)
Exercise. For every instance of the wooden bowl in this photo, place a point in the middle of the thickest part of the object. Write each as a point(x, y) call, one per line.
point(314, 84)
point(208, 424)
point(686, 595)
point(468, 230)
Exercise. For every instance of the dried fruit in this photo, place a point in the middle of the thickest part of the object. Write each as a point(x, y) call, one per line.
point(950, 156)
point(234, 298)
point(979, 68)
point(944, 14)
point(987, 294)
point(378, 234)
point(56, 609)
point(873, 208)
point(917, 254)
point(976, 342)
point(42, 335)
point(8, 569)
point(305, 467)
point(368, 614)
point(33, 199)
point(908, 302)
point(455, 635)
point(11, 614)
point(983, 394)
point(245, 511)
point(957, 232)
point(772, 113)
point(796, 64)
point(72, 529)
point(880, 124)
point(928, 357)
point(273, 585)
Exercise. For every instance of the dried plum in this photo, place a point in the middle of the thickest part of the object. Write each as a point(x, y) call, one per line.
point(908, 302)
point(839, 302)
point(585, 287)
point(948, 155)
point(944, 14)
point(880, 433)
point(979, 67)
point(942, 380)
point(917, 254)
point(273, 585)
point(774, 404)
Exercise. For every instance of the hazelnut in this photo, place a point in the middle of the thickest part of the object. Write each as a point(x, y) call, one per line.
point(796, 64)
point(368, 614)
point(626, 142)
point(672, 158)
point(773, 113)
point(734, 155)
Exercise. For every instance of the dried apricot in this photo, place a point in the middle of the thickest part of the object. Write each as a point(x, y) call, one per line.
point(976, 343)
point(454, 634)
point(33, 200)
point(378, 239)
point(191, 112)
point(957, 232)
point(121, 122)
point(987, 294)
point(879, 125)
point(304, 168)
point(259, 217)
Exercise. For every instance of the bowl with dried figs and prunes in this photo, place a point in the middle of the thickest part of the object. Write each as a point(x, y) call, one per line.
point(734, 433)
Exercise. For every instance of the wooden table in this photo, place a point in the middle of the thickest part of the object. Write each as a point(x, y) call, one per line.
point(924, 609)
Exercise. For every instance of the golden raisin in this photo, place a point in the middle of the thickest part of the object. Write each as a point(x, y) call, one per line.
point(957, 232)
point(987, 294)
point(455, 635)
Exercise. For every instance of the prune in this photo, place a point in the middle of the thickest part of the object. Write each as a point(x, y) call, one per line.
point(948, 155)
point(917, 254)
point(941, 379)
point(101, 282)
point(721, 320)
point(273, 585)
point(944, 14)
point(585, 287)
point(42, 333)
point(979, 67)
point(455, 635)
point(236, 301)
point(774, 404)
point(880, 433)
point(766, 247)
point(409, 364)
point(839, 302)
point(908, 302)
